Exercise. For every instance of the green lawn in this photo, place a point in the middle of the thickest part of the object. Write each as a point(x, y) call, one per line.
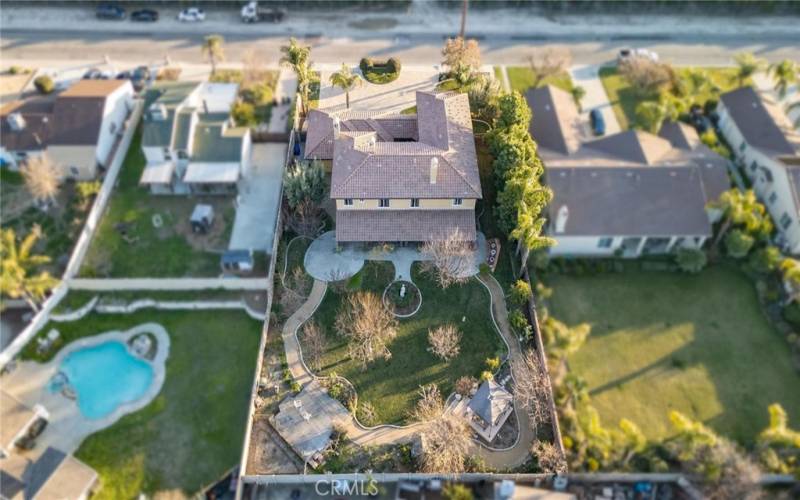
point(624, 100)
point(154, 252)
point(662, 341)
point(392, 386)
point(521, 78)
point(192, 432)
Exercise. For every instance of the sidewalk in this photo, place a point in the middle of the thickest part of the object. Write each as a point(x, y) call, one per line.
point(596, 97)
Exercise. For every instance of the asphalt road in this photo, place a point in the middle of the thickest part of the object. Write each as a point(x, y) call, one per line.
point(418, 49)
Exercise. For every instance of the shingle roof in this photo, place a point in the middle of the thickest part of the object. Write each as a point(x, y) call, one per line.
point(94, 88)
point(630, 201)
point(403, 225)
point(78, 120)
point(757, 121)
point(319, 138)
point(38, 124)
point(680, 135)
point(490, 401)
point(556, 122)
point(633, 145)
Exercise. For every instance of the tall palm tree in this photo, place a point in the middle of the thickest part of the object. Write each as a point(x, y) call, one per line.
point(785, 74)
point(18, 277)
point(347, 81)
point(213, 50)
point(298, 57)
point(747, 65)
point(42, 178)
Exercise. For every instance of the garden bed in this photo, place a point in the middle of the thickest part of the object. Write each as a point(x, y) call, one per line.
point(378, 72)
point(404, 306)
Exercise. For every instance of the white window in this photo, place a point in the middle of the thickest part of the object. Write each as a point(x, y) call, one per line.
point(384, 203)
point(348, 202)
point(605, 242)
point(786, 220)
point(457, 201)
point(414, 202)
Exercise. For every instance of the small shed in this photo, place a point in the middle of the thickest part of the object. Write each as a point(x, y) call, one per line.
point(202, 218)
point(238, 261)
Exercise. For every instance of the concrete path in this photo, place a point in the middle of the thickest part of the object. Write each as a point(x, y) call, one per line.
point(114, 284)
point(294, 358)
point(587, 76)
point(286, 87)
point(258, 201)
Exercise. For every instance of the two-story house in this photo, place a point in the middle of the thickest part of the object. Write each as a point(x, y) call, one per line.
point(628, 194)
point(189, 139)
point(77, 127)
point(767, 147)
point(400, 178)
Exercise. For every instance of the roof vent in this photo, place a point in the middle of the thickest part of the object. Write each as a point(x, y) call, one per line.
point(337, 127)
point(16, 122)
point(561, 219)
point(434, 169)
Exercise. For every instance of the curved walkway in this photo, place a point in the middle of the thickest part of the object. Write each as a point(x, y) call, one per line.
point(511, 457)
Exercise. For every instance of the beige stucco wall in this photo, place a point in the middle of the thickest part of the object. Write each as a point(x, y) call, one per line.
point(405, 203)
point(80, 158)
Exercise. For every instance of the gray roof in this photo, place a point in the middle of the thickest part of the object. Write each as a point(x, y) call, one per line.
point(213, 144)
point(78, 120)
point(171, 95)
point(757, 121)
point(490, 401)
point(630, 201)
point(633, 145)
point(556, 122)
point(319, 138)
point(680, 135)
point(403, 225)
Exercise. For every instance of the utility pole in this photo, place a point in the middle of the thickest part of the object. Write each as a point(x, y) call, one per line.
point(463, 18)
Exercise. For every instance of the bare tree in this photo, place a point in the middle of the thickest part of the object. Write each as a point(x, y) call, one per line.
point(304, 219)
point(451, 258)
point(314, 344)
point(446, 444)
point(646, 76)
point(430, 405)
point(549, 459)
point(444, 341)
point(532, 388)
point(460, 52)
point(464, 385)
point(368, 325)
point(42, 178)
point(549, 62)
point(252, 68)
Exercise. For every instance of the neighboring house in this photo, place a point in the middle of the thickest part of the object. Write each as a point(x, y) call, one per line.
point(767, 147)
point(189, 139)
point(400, 178)
point(78, 127)
point(627, 194)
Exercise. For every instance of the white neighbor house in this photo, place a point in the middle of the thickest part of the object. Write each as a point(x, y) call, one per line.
point(77, 127)
point(189, 139)
point(768, 148)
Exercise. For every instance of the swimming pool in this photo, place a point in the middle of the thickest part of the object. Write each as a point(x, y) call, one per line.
point(106, 376)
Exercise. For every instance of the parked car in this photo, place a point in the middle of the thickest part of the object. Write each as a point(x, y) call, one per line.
point(643, 53)
point(598, 123)
point(98, 74)
point(191, 15)
point(109, 11)
point(124, 75)
point(144, 15)
point(252, 13)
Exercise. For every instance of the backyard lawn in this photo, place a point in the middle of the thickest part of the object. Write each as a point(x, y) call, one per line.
point(662, 341)
point(521, 78)
point(191, 434)
point(624, 100)
point(145, 250)
point(392, 386)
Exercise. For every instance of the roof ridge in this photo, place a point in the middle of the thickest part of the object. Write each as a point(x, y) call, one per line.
point(463, 176)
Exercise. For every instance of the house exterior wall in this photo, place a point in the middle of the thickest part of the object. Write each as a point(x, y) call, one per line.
point(589, 246)
point(754, 162)
point(76, 162)
point(116, 110)
point(405, 203)
point(247, 146)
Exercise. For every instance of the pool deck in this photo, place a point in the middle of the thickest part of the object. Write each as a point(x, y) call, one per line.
point(67, 427)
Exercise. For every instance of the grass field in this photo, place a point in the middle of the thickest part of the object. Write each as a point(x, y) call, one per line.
point(624, 99)
point(392, 386)
point(192, 432)
point(154, 252)
point(662, 341)
point(521, 78)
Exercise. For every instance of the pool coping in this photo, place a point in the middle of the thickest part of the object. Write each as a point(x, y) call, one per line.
point(158, 363)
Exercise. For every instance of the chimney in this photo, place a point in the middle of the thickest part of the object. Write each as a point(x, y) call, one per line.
point(205, 106)
point(434, 169)
point(336, 127)
point(16, 122)
point(561, 219)
point(372, 144)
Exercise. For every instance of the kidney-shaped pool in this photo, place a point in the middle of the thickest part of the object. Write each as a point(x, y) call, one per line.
point(105, 376)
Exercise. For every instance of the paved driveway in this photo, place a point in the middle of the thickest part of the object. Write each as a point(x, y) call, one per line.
point(388, 98)
point(259, 191)
point(596, 97)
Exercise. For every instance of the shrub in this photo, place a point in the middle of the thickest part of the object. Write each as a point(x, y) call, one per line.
point(366, 64)
point(520, 292)
point(492, 364)
point(486, 375)
point(295, 387)
point(366, 413)
point(517, 320)
point(44, 84)
point(18, 70)
point(393, 64)
point(464, 385)
point(691, 260)
point(791, 314)
point(738, 243)
point(764, 260)
point(260, 93)
point(243, 113)
point(484, 269)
